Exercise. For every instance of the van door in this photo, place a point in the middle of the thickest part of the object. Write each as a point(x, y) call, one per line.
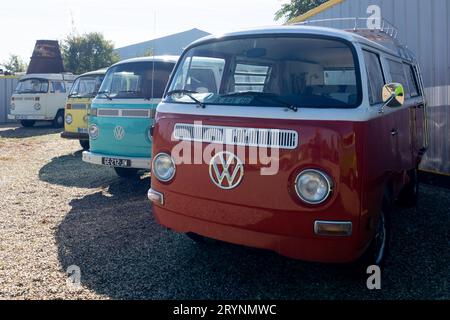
point(57, 97)
point(404, 118)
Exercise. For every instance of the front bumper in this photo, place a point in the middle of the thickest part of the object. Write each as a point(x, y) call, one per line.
point(326, 249)
point(136, 163)
point(74, 136)
point(28, 117)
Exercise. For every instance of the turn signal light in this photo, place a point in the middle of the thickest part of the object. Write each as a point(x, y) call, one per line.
point(333, 228)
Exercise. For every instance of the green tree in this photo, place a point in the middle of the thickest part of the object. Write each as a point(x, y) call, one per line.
point(15, 64)
point(296, 8)
point(88, 52)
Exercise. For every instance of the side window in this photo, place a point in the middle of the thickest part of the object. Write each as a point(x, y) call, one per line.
point(398, 75)
point(412, 80)
point(58, 87)
point(375, 77)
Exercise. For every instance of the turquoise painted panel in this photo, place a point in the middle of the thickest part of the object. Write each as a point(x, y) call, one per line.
point(135, 141)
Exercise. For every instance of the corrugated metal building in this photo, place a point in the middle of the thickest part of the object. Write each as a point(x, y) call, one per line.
point(424, 27)
point(7, 86)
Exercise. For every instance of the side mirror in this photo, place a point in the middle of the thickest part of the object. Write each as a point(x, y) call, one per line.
point(393, 96)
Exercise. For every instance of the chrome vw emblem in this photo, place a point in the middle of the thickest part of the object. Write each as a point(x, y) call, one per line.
point(226, 170)
point(119, 132)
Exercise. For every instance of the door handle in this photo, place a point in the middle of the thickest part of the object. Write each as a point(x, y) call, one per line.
point(394, 132)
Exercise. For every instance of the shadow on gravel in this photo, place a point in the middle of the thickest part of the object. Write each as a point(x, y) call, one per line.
point(124, 254)
point(18, 132)
point(70, 171)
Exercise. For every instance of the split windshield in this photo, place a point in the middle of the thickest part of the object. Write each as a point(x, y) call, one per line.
point(32, 86)
point(86, 87)
point(269, 71)
point(135, 80)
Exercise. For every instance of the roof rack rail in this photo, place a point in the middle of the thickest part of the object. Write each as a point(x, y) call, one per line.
point(357, 24)
point(376, 29)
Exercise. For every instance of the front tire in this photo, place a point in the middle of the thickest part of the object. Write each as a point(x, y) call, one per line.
point(377, 251)
point(84, 144)
point(126, 172)
point(58, 122)
point(27, 123)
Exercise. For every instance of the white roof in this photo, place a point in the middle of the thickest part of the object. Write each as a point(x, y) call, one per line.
point(49, 76)
point(295, 29)
point(167, 58)
point(93, 73)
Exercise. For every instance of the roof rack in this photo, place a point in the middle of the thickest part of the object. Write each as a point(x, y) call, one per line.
point(376, 29)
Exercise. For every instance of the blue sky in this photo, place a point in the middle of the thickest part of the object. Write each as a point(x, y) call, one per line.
point(124, 21)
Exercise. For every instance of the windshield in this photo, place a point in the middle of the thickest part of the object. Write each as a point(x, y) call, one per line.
point(32, 86)
point(135, 80)
point(270, 71)
point(86, 87)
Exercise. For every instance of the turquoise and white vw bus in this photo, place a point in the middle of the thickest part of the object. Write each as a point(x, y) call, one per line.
point(121, 115)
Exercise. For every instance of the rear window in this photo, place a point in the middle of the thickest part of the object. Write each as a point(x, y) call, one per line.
point(270, 71)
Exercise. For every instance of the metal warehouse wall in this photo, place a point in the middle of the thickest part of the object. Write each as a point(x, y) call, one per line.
point(425, 28)
point(7, 86)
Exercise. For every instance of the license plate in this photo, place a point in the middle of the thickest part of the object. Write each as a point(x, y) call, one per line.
point(113, 162)
point(82, 130)
point(21, 117)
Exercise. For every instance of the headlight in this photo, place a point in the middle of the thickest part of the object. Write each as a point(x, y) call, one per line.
point(163, 167)
point(93, 131)
point(313, 186)
point(12, 107)
point(69, 119)
point(37, 106)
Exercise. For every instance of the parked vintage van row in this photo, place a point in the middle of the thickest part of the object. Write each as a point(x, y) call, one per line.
point(122, 114)
point(41, 97)
point(83, 91)
point(344, 114)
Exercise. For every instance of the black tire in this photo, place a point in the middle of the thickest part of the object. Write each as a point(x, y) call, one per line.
point(377, 252)
point(84, 144)
point(58, 122)
point(410, 194)
point(126, 172)
point(27, 123)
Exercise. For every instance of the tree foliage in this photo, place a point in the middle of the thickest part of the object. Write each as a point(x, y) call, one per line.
point(88, 52)
point(296, 8)
point(15, 64)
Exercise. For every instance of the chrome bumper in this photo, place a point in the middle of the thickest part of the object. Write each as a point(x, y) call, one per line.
point(136, 163)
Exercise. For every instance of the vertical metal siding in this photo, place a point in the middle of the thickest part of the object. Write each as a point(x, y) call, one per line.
point(425, 28)
point(7, 86)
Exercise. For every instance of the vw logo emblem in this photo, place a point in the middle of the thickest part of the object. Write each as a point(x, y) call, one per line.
point(226, 170)
point(119, 132)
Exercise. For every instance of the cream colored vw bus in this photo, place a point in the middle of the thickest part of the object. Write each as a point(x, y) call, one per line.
point(41, 97)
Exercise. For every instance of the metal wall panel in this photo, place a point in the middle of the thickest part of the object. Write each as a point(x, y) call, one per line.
point(7, 86)
point(425, 28)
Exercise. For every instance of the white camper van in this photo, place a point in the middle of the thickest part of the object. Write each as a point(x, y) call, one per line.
point(41, 97)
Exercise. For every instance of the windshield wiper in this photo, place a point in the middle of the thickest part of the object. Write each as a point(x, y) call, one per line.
point(256, 94)
point(188, 93)
point(105, 93)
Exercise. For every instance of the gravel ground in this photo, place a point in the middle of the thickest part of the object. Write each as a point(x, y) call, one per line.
point(57, 211)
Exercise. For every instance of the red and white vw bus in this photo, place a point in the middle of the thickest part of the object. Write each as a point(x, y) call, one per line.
point(294, 139)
